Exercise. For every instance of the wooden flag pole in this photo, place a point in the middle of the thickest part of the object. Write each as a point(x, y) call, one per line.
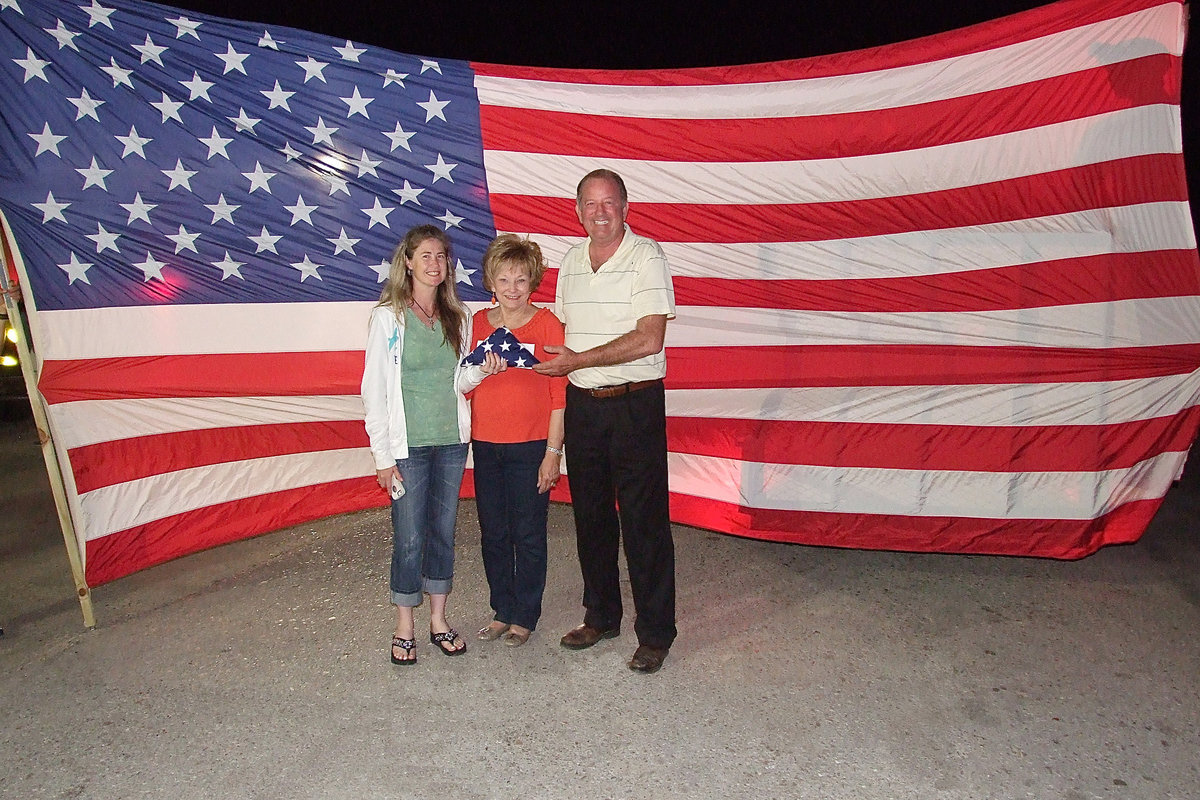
point(30, 373)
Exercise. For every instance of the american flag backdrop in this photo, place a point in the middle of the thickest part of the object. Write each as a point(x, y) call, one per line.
point(942, 295)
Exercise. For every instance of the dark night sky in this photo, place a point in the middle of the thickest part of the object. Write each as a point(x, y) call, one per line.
point(618, 36)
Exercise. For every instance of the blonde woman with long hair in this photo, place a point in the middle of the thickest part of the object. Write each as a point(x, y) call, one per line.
point(419, 425)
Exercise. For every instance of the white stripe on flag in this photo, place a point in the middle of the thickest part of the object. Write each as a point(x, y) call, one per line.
point(921, 493)
point(125, 505)
point(1001, 405)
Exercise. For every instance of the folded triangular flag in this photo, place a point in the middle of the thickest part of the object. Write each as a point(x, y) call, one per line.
point(507, 346)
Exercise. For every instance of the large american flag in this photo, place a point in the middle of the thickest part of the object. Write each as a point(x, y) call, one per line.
point(942, 295)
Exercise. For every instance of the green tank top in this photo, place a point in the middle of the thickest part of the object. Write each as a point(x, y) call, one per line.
point(427, 369)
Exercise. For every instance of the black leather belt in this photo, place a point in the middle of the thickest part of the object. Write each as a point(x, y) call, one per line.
point(619, 389)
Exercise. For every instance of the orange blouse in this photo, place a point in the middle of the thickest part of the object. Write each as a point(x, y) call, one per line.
point(515, 405)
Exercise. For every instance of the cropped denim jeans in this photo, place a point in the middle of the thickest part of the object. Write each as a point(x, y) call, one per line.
point(423, 522)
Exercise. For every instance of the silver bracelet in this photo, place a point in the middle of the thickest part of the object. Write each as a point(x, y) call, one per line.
point(556, 450)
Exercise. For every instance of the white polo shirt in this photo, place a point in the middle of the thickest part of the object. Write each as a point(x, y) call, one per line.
point(597, 307)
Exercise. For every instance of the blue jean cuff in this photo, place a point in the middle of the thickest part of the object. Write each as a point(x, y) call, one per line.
point(407, 599)
point(438, 585)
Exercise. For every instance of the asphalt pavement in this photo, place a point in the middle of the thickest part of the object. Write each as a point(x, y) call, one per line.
point(260, 670)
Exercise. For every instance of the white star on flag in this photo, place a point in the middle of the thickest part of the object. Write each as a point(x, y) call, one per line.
point(179, 176)
point(47, 141)
point(76, 270)
point(138, 209)
point(229, 268)
point(64, 36)
point(184, 240)
point(391, 76)
point(34, 67)
point(357, 104)
point(51, 209)
point(408, 194)
point(198, 87)
point(150, 51)
point(151, 267)
point(399, 138)
point(222, 210)
point(86, 105)
point(349, 52)
point(378, 214)
point(322, 133)
point(98, 15)
point(169, 108)
point(301, 211)
point(216, 144)
point(337, 184)
point(119, 75)
point(265, 241)
point(343, 243)
point(134, 143)
point(313, 69)
point(308, 269)
point(366, 165)
point(259, 178)
point(185, 27)
point(441, 169)
point(244, 121)
point(434, 107)
point(278, 97)
point(105, 240)
point(232, 59)
point(94, 175)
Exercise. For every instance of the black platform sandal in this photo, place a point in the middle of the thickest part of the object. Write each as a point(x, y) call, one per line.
point(407, 646)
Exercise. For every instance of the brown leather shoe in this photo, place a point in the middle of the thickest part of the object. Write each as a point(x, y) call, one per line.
point(648, 659)
point(585, 636)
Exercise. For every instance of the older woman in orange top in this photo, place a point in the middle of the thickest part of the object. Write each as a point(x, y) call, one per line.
point(517, 441)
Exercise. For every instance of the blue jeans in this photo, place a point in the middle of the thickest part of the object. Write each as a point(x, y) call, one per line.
point(512, 527)
point(423, 522)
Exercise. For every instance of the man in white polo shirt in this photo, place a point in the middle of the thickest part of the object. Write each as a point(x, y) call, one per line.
point(615, 297)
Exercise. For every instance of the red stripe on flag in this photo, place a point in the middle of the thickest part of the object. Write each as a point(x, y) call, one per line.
point(1146, 81)
point(1047, 538)
point(1040, 448)
point(917, 365)
point(1129, 181)
point(206, 375)
point(127, 551)
point(108, 463)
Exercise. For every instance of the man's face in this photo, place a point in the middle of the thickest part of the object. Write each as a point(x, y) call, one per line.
point(601, 211)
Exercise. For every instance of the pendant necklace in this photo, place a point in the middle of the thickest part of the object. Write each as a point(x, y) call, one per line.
point(423, 311)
